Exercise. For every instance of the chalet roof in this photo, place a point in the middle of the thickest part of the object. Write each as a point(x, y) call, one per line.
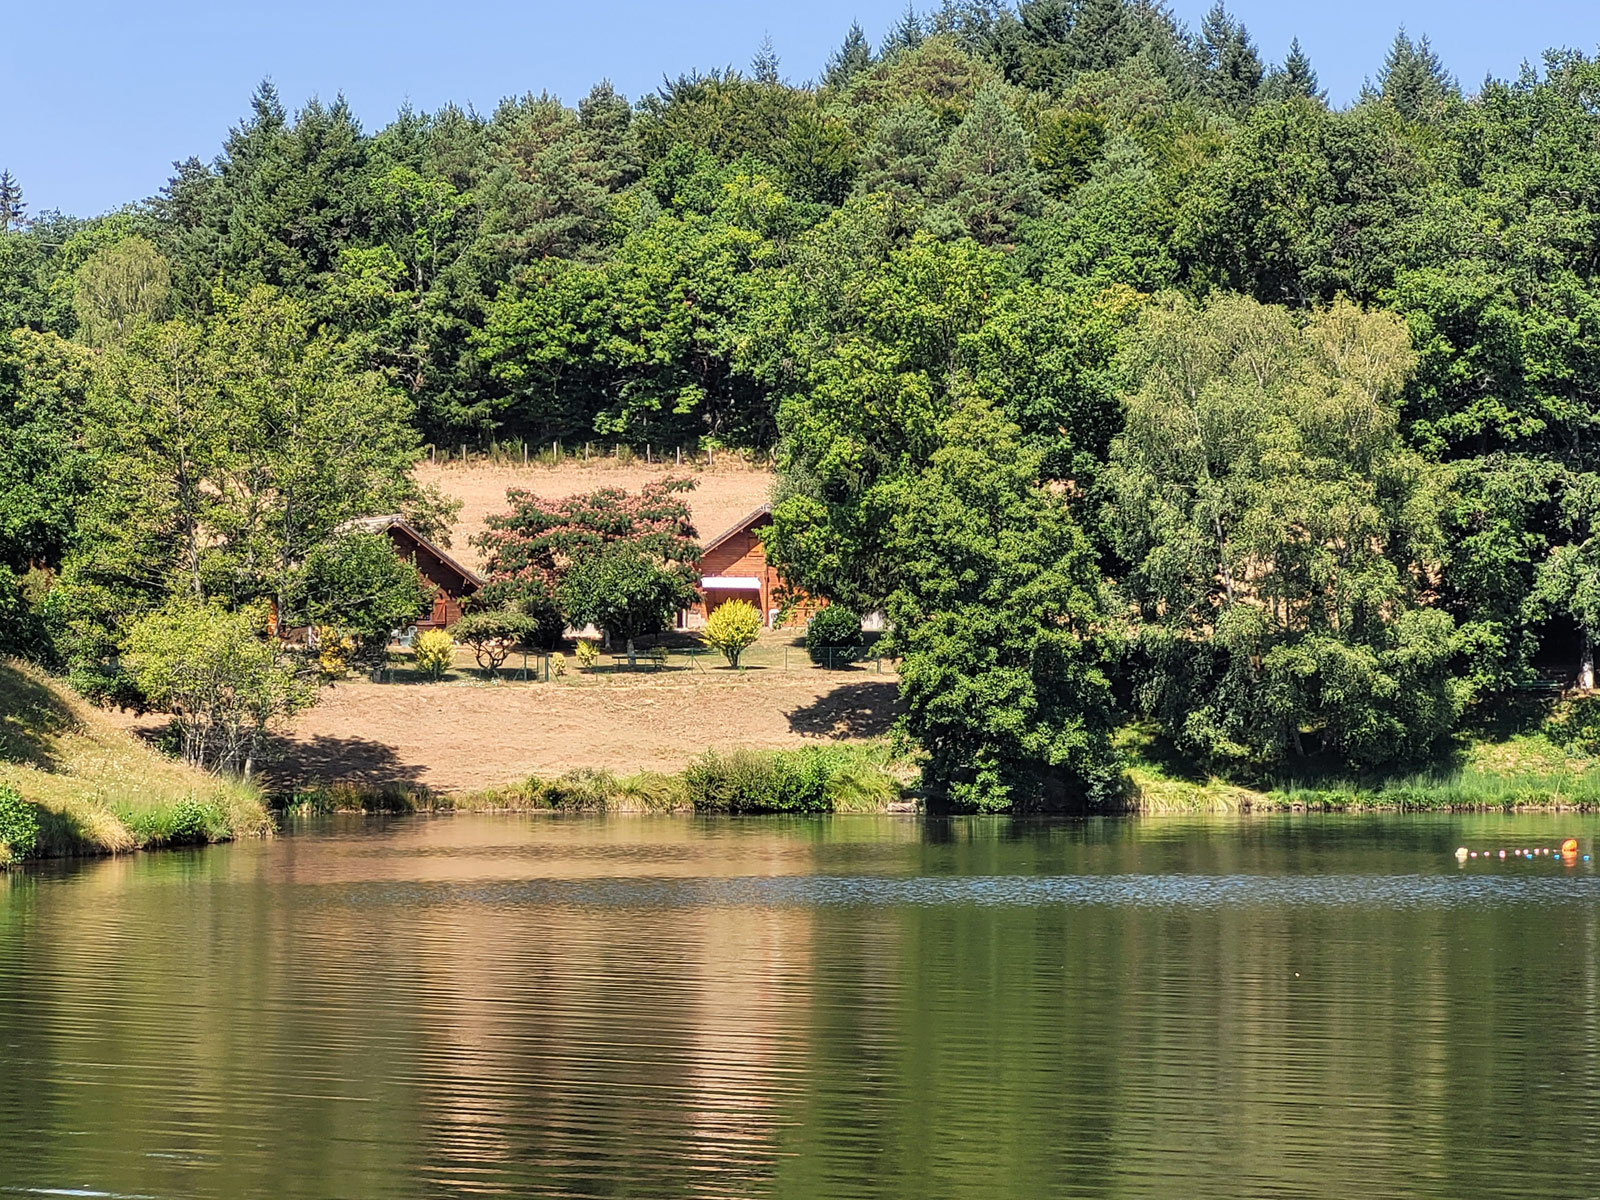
point(738, 526)
point(388, 521)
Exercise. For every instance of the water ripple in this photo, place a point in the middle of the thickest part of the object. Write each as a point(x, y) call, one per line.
point(1016, 891)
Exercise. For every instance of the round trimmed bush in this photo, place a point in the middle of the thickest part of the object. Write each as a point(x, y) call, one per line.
point(19, 825)
point(834, 637)
point(435, 653)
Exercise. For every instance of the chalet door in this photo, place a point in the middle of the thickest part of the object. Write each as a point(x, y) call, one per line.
point(441, 609)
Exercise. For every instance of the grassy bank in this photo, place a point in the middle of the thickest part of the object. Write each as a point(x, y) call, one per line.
point(814, 779)
point(92, 788)
point(1524, 773)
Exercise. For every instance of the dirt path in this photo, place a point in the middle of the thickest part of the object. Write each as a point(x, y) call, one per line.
point(721, 496)
point(460, 736)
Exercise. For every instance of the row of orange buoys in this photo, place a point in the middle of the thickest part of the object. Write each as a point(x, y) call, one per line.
point(1568, 852)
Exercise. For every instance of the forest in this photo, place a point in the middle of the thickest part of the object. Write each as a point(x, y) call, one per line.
point(1132, 379)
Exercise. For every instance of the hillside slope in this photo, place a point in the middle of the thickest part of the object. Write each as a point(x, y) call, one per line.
point(99, 788)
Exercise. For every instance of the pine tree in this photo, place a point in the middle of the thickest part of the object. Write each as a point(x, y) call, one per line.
point(986, 177)
point(907, 34)
point(899, 162)
point(764, 66)
point(1299, 79)
point(12, 206)
point(1230, 67)
point(1413, 79)
point(850, 59)
point(1295, 78)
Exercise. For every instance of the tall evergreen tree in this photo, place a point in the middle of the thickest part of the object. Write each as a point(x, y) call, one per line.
point(764, 66)
point(906, 34)
point(1413, 79)
point(1299, 79)
point(12, 208)
point(899, 160)
point(986, 178)
point(850, 59)
point(1230, 67)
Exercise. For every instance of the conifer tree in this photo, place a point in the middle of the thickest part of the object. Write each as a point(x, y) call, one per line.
point(764, 66)
point(986, 177)
point(1413, 79)
point(906, 34)
point(850, 59)
point(899, 160)
point(1230, 67)
point(1299, 79)
point(12, 207)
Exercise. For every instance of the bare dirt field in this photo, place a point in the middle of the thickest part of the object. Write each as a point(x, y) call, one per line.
point(466, 735)
point(721, 496)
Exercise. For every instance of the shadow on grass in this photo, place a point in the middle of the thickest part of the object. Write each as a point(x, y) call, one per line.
point(295, 764)
point(32, 720)
point(858, 709)
point(63, 835)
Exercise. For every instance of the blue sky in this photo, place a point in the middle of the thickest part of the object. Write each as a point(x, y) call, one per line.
point(98, 98)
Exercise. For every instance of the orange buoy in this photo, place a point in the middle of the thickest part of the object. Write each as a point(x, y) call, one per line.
point(1569, 847)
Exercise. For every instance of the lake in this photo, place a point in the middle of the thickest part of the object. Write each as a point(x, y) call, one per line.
point(837, 1007)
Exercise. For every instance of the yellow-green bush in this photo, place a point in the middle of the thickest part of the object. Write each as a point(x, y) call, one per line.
point(434, 651)
point(732, 628)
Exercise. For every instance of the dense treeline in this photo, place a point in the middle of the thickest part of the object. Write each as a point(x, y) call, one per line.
point(1120, 368)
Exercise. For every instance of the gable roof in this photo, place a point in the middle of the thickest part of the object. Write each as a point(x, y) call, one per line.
point(744, 523)
point(390, 521)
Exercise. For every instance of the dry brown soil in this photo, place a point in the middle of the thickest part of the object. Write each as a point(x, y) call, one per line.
point(466, 735)
point(722, 495)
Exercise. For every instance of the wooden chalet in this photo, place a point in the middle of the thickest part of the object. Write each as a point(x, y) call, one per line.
point(452, 581)
point(734, 566)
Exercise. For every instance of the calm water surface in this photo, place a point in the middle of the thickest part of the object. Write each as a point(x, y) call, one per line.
point(854, 1007)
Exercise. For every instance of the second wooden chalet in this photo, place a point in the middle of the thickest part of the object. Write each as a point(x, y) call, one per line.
point(734, 566)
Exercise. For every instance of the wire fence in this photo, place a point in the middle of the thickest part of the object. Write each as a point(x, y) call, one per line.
point(540, 666)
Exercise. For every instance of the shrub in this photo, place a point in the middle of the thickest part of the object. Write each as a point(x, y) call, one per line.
point(1575, 725)
point(19, 825)
point(334, 653)
point(191, 823)
point(588, 653)
point(834, 637)
point(491, 635)
point(558, 664)
point(773, 781)
point(732, 628)
point(435, 651)
point(586, 789)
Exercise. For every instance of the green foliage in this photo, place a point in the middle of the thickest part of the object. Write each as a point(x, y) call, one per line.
point(493, 635)
point(625, 593)
point(999, 622)
point(732, 628)
point(19, 826)
point(1279, 535)
point(223, 681)
point(358, 585)
point(435, 653)
point(199, 393)
point(834, 637)
point(814, 779)
point(121, 286)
